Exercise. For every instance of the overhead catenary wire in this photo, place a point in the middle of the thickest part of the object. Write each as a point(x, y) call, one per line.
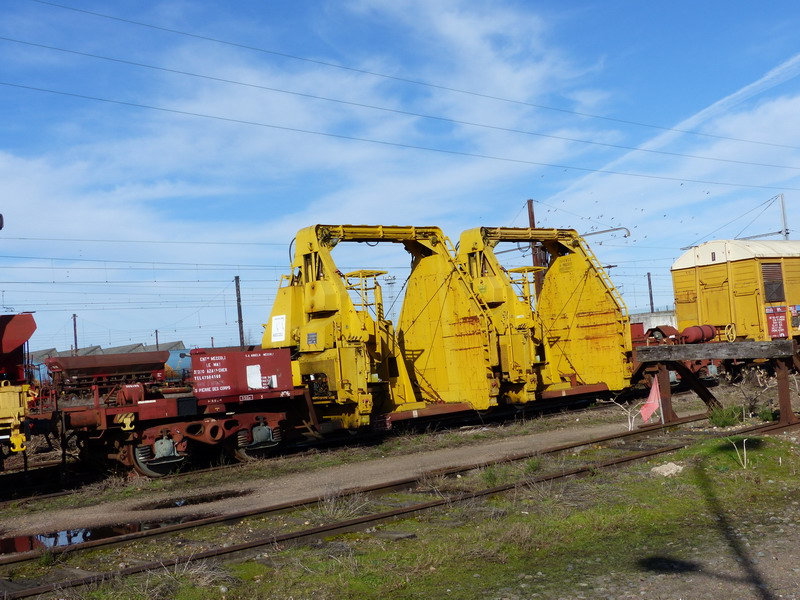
point(160, 294)
point(123, 268)
point(404, 112)
point(766, 206)
point(123, 241)
point(162, 306)
point(741, 216)
point(262, 294)
point(130, 282)
point(141, 262)
point(416, 82)
point(386, 143)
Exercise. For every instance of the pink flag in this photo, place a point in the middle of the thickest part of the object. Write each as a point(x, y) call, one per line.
point(653, 402)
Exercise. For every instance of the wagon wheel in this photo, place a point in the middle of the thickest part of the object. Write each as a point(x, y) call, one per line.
point(146, 464)
point(730, 332)
point(156, 469)
point(257, 444)
point(247, 455)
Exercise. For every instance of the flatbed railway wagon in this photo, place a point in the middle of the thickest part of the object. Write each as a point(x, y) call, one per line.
point(120, 408)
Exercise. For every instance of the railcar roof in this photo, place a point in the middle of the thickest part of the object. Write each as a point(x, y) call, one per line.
point(732, 250)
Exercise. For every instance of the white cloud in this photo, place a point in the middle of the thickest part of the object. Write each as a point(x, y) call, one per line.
point(111, 172)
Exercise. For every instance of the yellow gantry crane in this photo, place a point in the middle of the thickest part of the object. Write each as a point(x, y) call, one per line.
point(470, 335)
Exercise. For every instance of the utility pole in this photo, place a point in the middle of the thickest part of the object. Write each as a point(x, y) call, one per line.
point(75, 334)
point(157, 348)
point(531, 218)
point(783, 214)
point(536, 253)
point(239, 312)
point(784, 231)
point(650, 289)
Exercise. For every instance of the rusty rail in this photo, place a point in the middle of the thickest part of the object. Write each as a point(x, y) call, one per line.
point(358, 522)
point(299, 503)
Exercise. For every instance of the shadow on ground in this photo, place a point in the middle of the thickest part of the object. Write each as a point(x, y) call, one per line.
point(750, 576)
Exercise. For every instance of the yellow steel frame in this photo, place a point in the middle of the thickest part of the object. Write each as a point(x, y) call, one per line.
point(464, 334)
point(574, 332)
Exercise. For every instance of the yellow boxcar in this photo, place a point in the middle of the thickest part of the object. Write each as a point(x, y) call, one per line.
point(747, 289)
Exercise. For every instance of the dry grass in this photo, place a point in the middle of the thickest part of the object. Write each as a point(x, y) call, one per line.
point(161, 584)
point(443, 486)
point(112, 483)
point(335, 507)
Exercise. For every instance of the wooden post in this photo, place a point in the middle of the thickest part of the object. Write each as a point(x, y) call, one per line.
point(239, 313)
point(536, 255)
point(667, 414)
point(75, 335)
point(784, 392)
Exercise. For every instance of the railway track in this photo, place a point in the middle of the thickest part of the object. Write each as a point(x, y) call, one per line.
point(363, 521)
point(408, 482)
point(55, 478)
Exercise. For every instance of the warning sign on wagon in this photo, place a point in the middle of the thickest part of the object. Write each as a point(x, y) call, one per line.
point(234, 372)
point(777, 325)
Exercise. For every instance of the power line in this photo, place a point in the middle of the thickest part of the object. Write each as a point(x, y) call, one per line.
point(393, 144)
point(122, 303)
point(249, 294)
point(163, 306)
point(730, 222)
point(150, 282)
point(401, 79)
point(160, 294)
point(403, 112)
point(147, 269)
point(121, 333)
point(132, 282)
point(144, 262)
point(766, 205)
point(189, 267)
point(194, 243)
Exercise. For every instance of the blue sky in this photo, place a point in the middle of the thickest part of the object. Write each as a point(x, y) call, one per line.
point(151, 151)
